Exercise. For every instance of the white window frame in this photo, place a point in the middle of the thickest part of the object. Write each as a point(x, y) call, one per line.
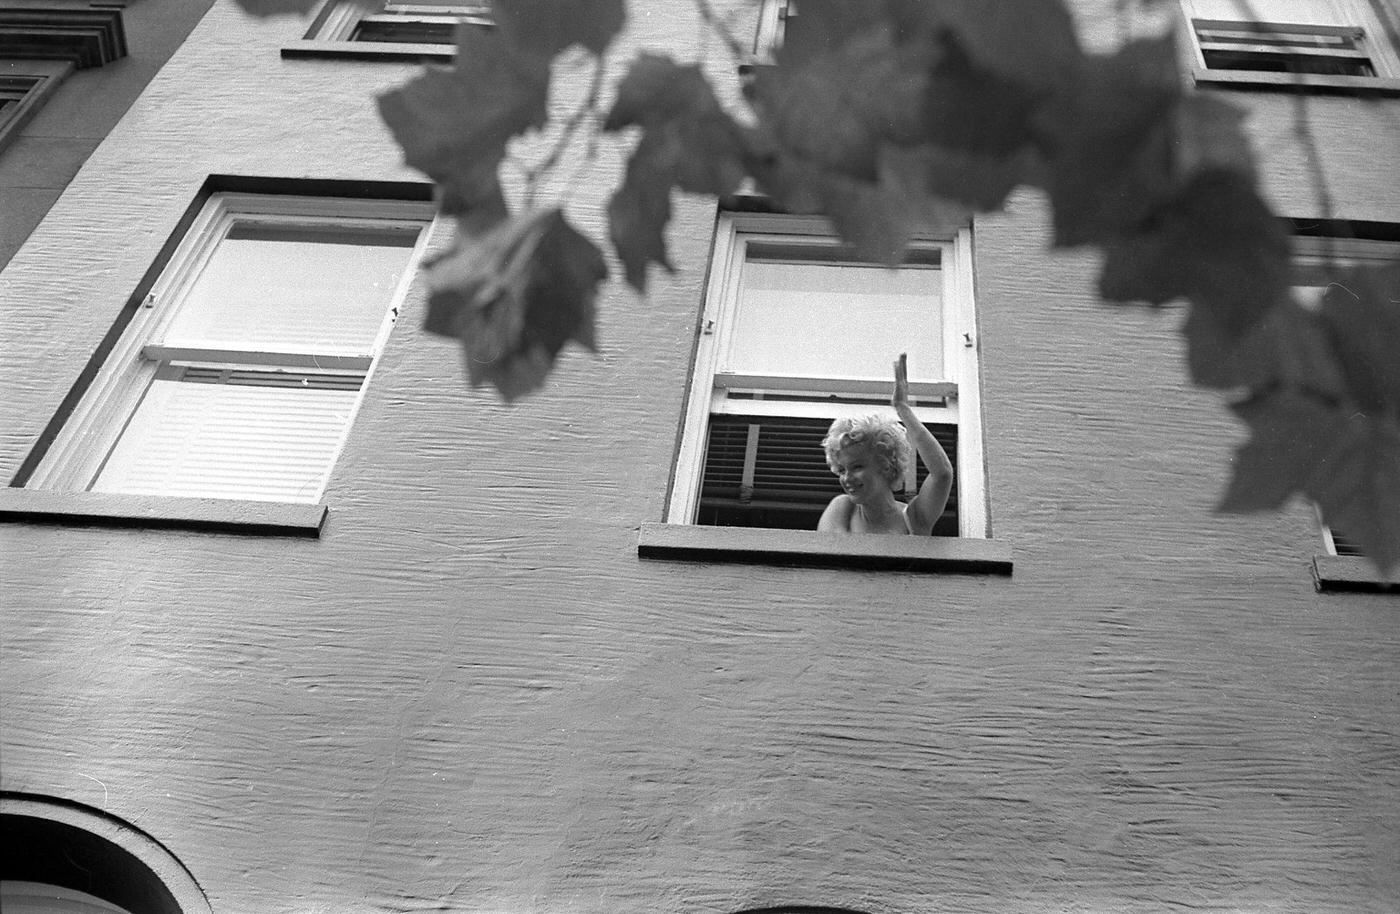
point(1354, 18)
point(340, 18)
point(768, 37)
point(75, 457)
point(959, 390)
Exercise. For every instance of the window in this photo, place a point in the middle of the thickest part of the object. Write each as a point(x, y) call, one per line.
point(1336, 43)
point(239, 374)
point(24, 87)
point(390, 27)
point(1342, 564)
point(796, 332)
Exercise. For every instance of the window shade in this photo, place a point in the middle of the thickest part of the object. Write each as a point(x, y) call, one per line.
point(786, 482)
point(232, 437)
point(293, 288)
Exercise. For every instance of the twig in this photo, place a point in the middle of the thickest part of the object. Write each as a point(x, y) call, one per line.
point(588, 108)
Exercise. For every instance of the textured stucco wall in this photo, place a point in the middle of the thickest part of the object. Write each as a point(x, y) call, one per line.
point(469, 694)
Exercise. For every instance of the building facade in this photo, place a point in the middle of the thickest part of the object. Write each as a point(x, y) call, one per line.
point(454, 654)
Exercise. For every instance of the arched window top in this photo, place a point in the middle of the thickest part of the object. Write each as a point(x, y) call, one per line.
point(59, 857)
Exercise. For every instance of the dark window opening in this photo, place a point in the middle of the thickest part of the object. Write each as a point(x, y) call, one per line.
point(405, 31)
point(765, 471)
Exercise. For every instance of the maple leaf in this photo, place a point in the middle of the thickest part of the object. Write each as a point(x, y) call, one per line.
point(453, 124)
point(980, 181)
point(688, 141)
point(1361, 311)
point(1108, 142)
point(836, 110)
point(877, 218)
point(822, 26)
point(1216, 243)
point(514, 296)
point(1348, 463)
point(1287, 348)
point(549, 26)
point(1210, 135)
point(1030, 42)
point(637, 216)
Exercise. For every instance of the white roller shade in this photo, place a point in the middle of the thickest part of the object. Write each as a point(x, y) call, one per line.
point(293, 288)
point(232, 437)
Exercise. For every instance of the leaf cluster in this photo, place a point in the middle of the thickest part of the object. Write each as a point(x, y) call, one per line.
point(894, 117)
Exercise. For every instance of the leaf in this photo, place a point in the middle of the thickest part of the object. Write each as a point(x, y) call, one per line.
point(453, 124)
point(1109, 143)
point(1029, 42)
point(637, 218)
point(1287, 348)
point(980, 181)
point(835, 111)
point(688, 141)
point(1210, 135)
point(686, 132)
point(547, 27)
point(973, 109)
point(1215, 243)
point(1349, 464)
point(820, 27)
point(877, 218)
point(1361, 311)
point(514, 297)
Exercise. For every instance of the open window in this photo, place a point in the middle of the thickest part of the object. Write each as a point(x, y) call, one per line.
point(238, 376)
point(394, 28)
point(1341, 564)
point(797, 332)
point(1337, 44)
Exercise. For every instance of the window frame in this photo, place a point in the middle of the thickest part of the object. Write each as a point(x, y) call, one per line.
point(63, 475)
point(1370, 29)
point(31, 82)
point(332, 32)
point(679, 537)
point(1333, 571)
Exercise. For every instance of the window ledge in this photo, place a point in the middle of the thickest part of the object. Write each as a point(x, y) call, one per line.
point(800, 547)
point(207, 514)
point(1349, 572)
point(1311, 82)
point(388, 51)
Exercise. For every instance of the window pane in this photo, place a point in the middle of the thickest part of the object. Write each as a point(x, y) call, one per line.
point(824, 318)
point(222, 440)
point(301, 288)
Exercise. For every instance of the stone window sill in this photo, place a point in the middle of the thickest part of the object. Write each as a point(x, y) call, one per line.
point(1308, 82)
point(1349, 572)
point(751, 545)
point(207, 514)
point(387, 51)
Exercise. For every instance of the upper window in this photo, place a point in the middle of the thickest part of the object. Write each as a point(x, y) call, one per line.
point(797, 332)
point(397, 22)
point(239, 375)
point(1341, 563)
point(1339, 43)
point(24, 86)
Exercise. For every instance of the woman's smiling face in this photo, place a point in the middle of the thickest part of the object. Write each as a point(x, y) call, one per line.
point(861, 472)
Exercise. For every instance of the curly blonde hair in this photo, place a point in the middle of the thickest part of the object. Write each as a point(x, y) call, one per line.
point(884, 435)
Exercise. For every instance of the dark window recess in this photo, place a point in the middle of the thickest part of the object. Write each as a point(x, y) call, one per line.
point(405, 31)
point(1345, 546)
point(1267, 48)
point(762, 471)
